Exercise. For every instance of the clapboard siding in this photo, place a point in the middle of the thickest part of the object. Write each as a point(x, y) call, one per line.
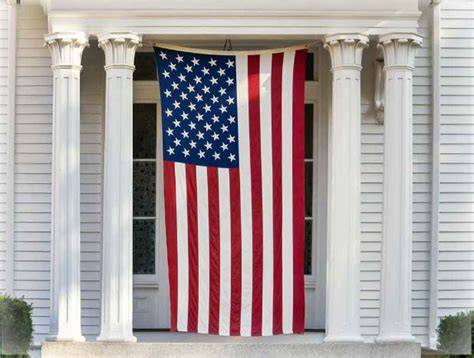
point(456, 218)
point(371, 201)
point(92, 99)
point(33, 174)
point(33, 167)
point(3, 135)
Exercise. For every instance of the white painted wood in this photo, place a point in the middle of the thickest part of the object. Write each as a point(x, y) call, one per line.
point(395, 310)
point(10, 187)
point(456, 197)
point(117, 271)
point(343, 261)
point(33, 174)
point(92, 113)
point(65, 316)
point(435, 205)
point(151, 292)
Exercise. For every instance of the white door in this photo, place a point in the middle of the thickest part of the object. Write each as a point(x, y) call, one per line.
point(151, 291)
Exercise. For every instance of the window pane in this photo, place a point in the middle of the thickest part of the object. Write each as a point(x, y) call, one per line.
point(310, 67)
point(144, 130)
point(143, 246)
point(145, 69)
point(308, 243)
point(144, 188)
point(308, 189)
point(308, 130)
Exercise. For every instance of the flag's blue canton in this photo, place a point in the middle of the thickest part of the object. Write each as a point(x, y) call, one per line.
point(199, 108)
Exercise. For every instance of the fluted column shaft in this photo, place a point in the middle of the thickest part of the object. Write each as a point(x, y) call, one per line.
point(117, 241)
point(65, 317)
point(343, 280)
point(395, 310)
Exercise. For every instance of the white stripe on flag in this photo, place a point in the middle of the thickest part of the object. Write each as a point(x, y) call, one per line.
point(245, 193)
point(203, 248)
point(287, 192)
point(267, 191)
point(182, 245)
point(225, 273)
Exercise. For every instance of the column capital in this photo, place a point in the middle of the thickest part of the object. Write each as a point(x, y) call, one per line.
point(66, 48)
point(346, 50)
point(399, 49)
point(119, 48)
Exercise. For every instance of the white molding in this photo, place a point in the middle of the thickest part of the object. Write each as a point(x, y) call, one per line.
point(435, 187)
point(11, 117)
point(344, 190)
point(230, 14)
point(215, 23)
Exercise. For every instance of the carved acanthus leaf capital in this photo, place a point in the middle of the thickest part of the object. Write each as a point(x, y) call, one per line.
point(66, 48)
point(399, 49)
point(119, 48)
point(346, 49)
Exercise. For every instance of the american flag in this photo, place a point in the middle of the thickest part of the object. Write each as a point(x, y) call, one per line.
point(233, 136)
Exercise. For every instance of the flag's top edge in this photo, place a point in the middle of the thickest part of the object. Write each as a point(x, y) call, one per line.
point(229, 53)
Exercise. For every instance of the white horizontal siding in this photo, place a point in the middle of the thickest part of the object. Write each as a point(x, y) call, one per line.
point(3, 135)
point(92, 99)
point(456, 218)
point(33, 167)
point(371, 201)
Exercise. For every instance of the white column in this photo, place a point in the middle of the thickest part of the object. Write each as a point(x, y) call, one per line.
point(117, 270)
point(65, 317)
point(395, 305)
point(343, 280)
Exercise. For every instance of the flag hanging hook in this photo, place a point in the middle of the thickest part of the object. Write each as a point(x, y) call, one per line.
point(228, 45)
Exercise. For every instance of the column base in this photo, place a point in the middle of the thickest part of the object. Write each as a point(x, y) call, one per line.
point(343, 339)
point(395, 339)
point(117, 339)
point(63, 338)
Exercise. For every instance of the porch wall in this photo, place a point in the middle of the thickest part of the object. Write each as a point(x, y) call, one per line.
point(33, 181)
point(456, 218)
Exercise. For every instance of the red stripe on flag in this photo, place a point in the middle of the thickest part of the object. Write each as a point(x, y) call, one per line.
point(193, 263)
point(256, 178)
point(236, 252)
point(171, 237)
point(298, 191)
point(276, 88)
point(214, 249)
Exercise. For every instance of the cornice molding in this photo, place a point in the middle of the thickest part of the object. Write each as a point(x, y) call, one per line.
point(227, 14)
point(264, 23)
